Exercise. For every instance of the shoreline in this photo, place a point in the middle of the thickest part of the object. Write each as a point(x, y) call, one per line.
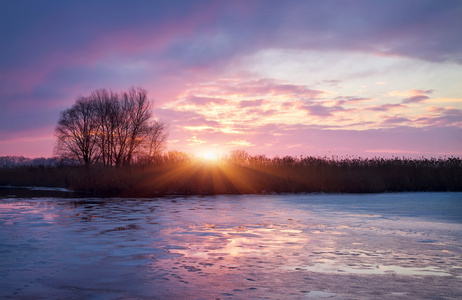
point(15, 192)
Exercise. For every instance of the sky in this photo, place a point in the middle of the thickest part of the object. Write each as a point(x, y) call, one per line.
point(322, 78)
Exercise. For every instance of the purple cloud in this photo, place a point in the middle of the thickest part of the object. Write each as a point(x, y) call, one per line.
point(385, 107)
point(320, 110)
point(444, 118)
point(395, 120)
point(415, 99)
point(345, 100)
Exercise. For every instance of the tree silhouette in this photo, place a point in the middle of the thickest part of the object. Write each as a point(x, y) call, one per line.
point(110, 128)
point(77, 133)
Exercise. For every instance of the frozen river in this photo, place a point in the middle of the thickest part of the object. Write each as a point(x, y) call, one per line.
point(379, 246)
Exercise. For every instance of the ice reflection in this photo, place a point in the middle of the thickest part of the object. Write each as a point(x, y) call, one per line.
point(331, 266)
point(246, 247)
point(238, 241)
point(16, 212)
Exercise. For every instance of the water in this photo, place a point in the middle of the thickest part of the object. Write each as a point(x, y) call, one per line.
point(381, 246)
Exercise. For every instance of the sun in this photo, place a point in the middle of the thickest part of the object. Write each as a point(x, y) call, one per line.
point(209, 156)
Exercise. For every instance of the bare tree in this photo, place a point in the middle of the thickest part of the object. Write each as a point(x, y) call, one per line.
point(106, 108)
point(137, 108)
point(154, 143)
point(77, 133)
point(110, 128)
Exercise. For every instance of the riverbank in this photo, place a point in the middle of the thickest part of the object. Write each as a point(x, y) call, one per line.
point(254, 175)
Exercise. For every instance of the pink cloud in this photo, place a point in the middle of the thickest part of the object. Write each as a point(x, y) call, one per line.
point(417, 91)
point(258, 88)
point(204, 101)
point(262, 112)
point(288, 105)
point(251, 103)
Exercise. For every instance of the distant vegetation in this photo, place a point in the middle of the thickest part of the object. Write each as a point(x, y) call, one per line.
point(240, 173)
point(16, 161)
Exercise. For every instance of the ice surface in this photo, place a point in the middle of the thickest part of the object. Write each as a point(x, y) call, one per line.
point(380, 246)
point(37, 188)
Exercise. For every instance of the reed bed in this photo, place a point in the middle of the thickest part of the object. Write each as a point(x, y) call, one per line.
point(248, 175)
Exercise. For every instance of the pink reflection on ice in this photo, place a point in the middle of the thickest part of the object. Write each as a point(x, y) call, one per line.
point(17, 212)
point(244, 241)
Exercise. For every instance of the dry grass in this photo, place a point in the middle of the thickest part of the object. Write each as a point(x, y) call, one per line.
point(252, 175)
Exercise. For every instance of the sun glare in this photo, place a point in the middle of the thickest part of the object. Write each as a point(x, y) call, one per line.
point(209, 155)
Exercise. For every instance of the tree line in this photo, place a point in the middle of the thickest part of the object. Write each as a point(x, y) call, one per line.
point(178, 173)
point(111, 129)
